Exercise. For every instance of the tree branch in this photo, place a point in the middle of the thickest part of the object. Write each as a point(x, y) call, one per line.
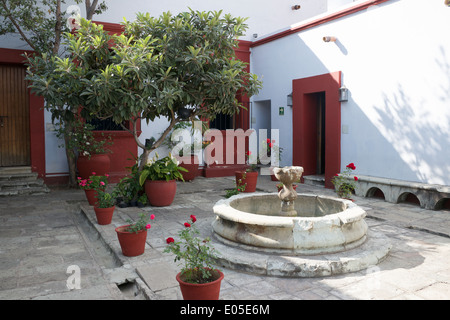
point(14, 22)
point(57, 28)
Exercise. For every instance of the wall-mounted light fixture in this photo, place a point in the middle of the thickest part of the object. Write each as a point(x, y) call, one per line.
point(343, 94)
point(296, 7)
point(329, 39)
point(289, 100)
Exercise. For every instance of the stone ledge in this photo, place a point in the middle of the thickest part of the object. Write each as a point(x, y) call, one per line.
point(430, 196)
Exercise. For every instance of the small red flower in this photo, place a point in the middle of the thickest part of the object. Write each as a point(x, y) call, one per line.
point(194, 218)
point(170, 240)
point(351, 166)
point(248, 153)
point(356, 178)
point(187, 224)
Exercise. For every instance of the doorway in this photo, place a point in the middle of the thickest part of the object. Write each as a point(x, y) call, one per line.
point(316, 125)
point(14, 117)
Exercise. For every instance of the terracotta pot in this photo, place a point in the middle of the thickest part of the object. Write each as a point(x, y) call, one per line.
point(98, 163)
point(203, 291)
point(160, 193)
point(91, 195)
point(251, 178)
point(131, 243)
point(104, 215)
point(191, 164)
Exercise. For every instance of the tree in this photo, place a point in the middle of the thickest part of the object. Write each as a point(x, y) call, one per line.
point(156, 68)
point(41, 25)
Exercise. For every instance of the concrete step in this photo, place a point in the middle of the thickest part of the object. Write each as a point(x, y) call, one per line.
point(20, 181)
point(315, 180)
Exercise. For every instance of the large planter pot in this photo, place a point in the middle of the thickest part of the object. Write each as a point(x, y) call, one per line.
point(249, 178)
point(104, 215)
point(203, 291)
point(191, 164)
point(131, 243)
point(98, 163)
point(160, 193)
point(91, 195)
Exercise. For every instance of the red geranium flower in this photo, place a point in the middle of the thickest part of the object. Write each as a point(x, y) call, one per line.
point(187, 224)
point(356, 178)
point(170, 240)
point(194, 218)
point(351, 166)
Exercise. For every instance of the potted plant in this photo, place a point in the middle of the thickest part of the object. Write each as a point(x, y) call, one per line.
point(159, 179)
point(92, 151)
point(104, 207)
point(198, 278)
point(249, 177)
point(271, 148)
point(132, 237)
point(91, 186)
point(345, 182)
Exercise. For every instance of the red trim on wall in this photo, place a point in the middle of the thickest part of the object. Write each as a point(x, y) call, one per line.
point(319, 21)
point(304, 134)
point(36, 109)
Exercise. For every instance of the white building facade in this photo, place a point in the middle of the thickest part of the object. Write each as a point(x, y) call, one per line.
point(393, 57)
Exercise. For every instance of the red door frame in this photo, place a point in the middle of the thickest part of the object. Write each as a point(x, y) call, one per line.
point(36, 109)
point(304, 153)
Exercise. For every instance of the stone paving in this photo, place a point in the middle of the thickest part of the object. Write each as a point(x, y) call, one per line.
point(42, 236)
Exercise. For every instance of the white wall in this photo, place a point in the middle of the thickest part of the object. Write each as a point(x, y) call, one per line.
point(394, 58)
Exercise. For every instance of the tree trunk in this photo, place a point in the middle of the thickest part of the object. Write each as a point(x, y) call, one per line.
point(71, 158)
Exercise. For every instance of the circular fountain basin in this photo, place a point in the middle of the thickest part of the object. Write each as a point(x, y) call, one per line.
point(322, 225)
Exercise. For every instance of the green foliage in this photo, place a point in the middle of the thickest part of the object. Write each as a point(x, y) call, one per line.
point(345, 182)
point(155, 68)
point(198, 255)
point(161, 169)
point(240, 187)
point(129, 187)
point(105, 199)
point(81, 138)
point(39, 23)
point(140, 224)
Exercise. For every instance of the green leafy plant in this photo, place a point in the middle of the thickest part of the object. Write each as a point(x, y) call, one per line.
point(198, 255)
point(345, 182)
point(140, 224)
point(93, 182)
point(240, 187)
point(82, 140)
point(161, 169)
point(105, 199)
point(253, 165)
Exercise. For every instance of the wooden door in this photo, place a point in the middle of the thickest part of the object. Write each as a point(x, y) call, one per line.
point(14, 117)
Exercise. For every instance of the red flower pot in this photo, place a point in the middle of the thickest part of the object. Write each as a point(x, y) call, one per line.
point(200, 291)
point(131, 243)
point(191, 164)
point(104, 215)
point(251, 178)
point(160, 193)
point(91, 195)
point(98, 163)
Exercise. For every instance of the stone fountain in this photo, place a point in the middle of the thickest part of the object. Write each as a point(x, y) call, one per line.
point(294, 234)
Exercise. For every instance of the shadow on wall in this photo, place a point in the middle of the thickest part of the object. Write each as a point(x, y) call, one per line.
point(420, 140)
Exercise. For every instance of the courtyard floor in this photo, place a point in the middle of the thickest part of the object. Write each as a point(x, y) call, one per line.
point(42, 236)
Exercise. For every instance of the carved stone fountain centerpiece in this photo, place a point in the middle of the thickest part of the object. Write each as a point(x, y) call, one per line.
point(287, 195)
point(330, 229)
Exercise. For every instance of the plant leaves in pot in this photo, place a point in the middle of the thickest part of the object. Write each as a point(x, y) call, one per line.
point(198, 278)
point(132, 237)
